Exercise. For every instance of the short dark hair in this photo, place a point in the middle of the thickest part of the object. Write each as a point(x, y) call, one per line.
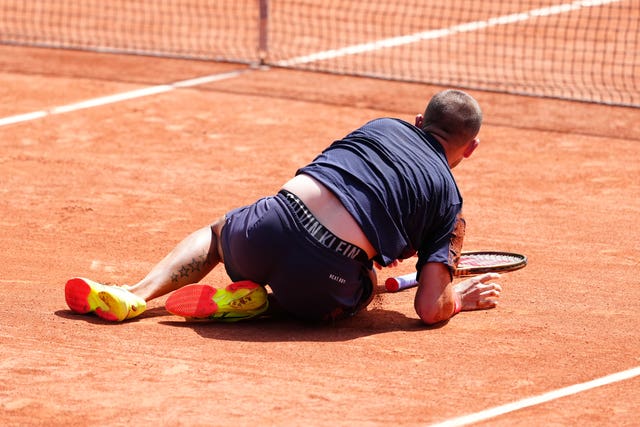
point(454, 112)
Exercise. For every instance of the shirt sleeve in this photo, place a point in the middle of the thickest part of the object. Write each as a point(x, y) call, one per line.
point(444, 245)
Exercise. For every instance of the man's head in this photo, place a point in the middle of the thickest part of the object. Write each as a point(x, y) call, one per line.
point(454, 118)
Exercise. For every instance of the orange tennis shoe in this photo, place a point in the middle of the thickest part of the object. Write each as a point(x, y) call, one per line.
point(238, 301)
point(112, 303)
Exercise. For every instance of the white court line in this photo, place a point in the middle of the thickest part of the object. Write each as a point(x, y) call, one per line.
point(110, 99)
point(349, 50)
point(537, 400)
point(443, 32)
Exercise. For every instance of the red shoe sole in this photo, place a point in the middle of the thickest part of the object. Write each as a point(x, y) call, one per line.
point(76, 293)
point(192, 301)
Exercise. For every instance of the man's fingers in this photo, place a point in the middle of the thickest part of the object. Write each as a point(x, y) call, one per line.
point(490, 290)
point(487, 303)
point(488, 297)
point(483, 278)
point(480, 292)
point(495, 286)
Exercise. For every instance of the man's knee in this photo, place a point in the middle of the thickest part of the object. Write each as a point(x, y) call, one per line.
point(215, 251)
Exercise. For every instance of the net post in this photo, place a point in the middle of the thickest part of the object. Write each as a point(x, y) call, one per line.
point(263, 45)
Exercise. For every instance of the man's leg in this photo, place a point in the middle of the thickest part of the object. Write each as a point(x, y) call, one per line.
point(237, 301)
point(189, 262)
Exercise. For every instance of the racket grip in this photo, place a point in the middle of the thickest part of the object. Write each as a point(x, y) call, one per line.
point(395, 284)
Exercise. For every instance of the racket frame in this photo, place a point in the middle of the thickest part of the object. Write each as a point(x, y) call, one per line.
point(519, 261)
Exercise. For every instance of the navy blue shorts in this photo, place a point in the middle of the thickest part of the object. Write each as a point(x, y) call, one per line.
point(313, 274)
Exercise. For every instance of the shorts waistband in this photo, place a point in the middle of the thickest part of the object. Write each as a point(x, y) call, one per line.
point(321, 233)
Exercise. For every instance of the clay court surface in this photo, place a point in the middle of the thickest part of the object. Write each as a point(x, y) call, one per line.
point(105, 192)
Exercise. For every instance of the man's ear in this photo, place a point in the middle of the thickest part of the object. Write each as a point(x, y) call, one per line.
point(471, 147)
point(419, 120)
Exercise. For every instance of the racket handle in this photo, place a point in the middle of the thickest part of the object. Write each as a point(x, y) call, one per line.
point(395, 284)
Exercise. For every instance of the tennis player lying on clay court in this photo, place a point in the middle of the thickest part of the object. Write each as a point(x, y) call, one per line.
point(381, 194)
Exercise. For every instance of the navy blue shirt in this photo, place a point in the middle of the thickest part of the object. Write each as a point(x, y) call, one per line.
point(394, 179)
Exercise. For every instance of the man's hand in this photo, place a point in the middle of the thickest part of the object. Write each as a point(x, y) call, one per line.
point(479, 293)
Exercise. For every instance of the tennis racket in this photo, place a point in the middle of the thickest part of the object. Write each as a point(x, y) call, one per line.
point(470, 264)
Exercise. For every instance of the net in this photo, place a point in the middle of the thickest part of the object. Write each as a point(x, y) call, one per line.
point(221, 30)
point(585, 50)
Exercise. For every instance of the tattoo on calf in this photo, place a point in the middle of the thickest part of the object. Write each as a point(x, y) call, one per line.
point(196, 265)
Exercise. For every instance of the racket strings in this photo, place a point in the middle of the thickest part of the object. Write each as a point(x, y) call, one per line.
point(486, 260)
